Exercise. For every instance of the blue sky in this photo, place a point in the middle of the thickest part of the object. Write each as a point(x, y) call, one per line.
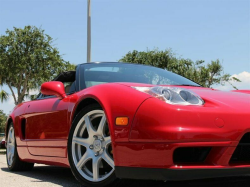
point(195, 29)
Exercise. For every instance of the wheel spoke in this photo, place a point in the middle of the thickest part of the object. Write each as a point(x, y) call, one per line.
point(81, 141)
point(9, 136)
point(101, 125)
point(89, 126)
point(83, 160)
point(108, 159)
point(12, 149)
point(11, 144)
point(9, 154)
point(95, 167)
point(12, 140)
point(107, 140)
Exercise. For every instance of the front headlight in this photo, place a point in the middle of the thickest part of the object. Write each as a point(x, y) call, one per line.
point(173, 95)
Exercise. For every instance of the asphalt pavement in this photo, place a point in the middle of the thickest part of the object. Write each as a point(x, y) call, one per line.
point(42, 176)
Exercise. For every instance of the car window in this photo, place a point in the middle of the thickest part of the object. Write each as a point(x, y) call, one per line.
point(94, 74)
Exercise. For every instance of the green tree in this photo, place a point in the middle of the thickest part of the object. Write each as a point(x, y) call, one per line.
point(205, 75)
point(27, 59)
point(3, 119)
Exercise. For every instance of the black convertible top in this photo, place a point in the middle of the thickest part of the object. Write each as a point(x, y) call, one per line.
point(67, 76)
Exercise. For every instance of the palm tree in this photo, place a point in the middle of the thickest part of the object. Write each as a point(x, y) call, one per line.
point(3, 96)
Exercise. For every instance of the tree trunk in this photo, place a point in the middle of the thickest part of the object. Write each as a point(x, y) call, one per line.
point(20, 99)
point(13, 94)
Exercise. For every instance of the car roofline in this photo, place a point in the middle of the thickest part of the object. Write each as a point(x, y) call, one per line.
point(103, 62)
point(117, 63)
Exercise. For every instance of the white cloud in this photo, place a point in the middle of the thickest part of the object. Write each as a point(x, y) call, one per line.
point(7, 106)
point(31, 92)
point(34, 92)
point(243, 85)
point(11, 99)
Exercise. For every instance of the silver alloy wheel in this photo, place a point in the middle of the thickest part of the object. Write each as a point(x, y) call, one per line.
point(91, 147)
point(10, 146)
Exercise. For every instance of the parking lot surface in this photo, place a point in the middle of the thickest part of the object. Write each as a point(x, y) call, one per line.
point(42, 176)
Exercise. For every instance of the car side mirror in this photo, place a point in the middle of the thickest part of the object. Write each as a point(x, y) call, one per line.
point(53, 88)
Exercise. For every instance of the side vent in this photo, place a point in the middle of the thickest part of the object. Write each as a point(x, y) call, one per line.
point(23, 127)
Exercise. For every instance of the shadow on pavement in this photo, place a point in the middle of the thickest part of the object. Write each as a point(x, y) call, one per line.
point(64, 177)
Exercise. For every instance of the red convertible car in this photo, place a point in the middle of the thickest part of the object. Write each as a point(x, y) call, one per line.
point(118, 120)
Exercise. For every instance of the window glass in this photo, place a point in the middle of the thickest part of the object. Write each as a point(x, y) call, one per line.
point(94, 74)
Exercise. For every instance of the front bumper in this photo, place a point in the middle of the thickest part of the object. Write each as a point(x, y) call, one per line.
point(178, 174)
point(158, 130)
point(160, 155)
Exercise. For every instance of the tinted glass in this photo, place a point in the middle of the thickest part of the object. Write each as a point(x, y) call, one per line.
point(94, 74)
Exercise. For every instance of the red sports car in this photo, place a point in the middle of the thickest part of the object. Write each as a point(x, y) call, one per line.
point(119, 120)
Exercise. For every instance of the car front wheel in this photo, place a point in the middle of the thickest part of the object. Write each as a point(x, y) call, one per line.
point(90, 149)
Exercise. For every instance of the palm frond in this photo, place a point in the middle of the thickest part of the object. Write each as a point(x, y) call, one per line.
point(3, 96)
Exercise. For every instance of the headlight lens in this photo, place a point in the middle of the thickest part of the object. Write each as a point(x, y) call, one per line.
point(173, 95)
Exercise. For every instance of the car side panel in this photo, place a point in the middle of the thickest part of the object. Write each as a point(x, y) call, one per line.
point(114, 100)
point(56, 147)
point(47, 127)
point(27, 157)
point(16, 117)
point(47, 119)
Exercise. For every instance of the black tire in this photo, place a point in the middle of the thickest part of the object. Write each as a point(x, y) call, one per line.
point(17, 164)
point(111, 180)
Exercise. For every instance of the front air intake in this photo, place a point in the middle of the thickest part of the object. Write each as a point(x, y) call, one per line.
point(242, 151)
point(190, 155)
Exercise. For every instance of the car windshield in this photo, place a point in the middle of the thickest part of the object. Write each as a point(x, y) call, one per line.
point(99, 73)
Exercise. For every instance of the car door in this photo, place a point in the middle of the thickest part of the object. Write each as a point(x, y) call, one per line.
point(46, 129)
point(47, 121)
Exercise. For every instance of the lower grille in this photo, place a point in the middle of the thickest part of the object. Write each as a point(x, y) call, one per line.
point(242, 151)
point(191, 155)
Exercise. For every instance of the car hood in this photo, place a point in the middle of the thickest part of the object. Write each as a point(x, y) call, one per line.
point(235, 100)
